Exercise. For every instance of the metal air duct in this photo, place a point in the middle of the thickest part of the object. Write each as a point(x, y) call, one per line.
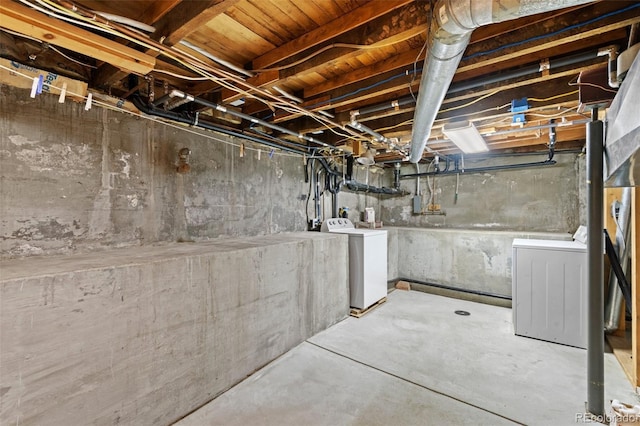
point(451, 28)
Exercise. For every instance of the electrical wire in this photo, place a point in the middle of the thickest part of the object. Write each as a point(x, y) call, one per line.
point(470, 103)
point(395, 126)
point(153, 119)
point(562, 95)
point(49, 46)
point(201, 68)
point(424, 46)
point(333, 46)
point(431, 188)
point(196, 65)
point(184, 77)
point(606, 89)
point(360, 90)
point(72, 59)
point(534, 114)
point(63, 18)
point(554, 33)
point(406, 72)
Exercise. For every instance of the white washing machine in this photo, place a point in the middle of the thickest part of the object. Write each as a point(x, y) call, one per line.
point(367, 261)
point(550, 290)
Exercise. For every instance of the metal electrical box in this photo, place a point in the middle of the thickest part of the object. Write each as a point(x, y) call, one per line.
point(550, 290)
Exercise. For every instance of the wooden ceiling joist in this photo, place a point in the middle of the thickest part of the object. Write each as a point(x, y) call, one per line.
point(185, 17)
point(341, 25)
point(24, 20)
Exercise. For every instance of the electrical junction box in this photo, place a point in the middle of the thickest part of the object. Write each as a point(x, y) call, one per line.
point(417, 204)
point(519, 107)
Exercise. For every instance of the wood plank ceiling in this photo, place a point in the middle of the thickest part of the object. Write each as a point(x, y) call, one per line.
point(311, 66)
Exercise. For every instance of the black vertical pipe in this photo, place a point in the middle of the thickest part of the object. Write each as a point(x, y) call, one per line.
point(595, 295)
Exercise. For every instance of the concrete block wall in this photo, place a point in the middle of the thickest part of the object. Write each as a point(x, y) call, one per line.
point(467, 259)
point(141, 336)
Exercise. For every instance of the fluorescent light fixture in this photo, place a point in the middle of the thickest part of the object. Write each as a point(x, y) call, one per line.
point(465, 135)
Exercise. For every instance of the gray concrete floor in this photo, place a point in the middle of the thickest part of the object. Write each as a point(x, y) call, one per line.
point(412, 361)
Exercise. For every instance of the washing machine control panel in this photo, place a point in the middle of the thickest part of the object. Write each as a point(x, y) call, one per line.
point(336, 224)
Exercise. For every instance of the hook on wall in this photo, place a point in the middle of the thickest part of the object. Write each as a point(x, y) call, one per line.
point(183, 161)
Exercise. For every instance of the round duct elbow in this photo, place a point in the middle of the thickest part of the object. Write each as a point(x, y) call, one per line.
point(460, 17)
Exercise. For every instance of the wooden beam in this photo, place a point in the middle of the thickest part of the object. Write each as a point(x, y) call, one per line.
point(496, 31)
point(483, 67)
point(559, 51)
point(187, 17)
point(263, 79)
point(409, 57)
point(537, 87)
point(338, 26)
point(402, 60)
point(592, 30)
point(382, 36)
point(540, 89)
point(157, 9)
point(27, 21)
point(364, 73)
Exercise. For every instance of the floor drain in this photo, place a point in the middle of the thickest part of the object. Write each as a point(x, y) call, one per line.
point(463, 313)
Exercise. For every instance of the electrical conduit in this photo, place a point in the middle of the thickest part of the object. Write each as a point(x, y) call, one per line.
point(451, 31)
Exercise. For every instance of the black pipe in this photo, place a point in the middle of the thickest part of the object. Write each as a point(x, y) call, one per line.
point(350, 160)
point(521, 72)
point(462, 290)
point(407, 100)
point(479, 82)
point(361, 187)
point(498, 155)
point(142, 106)
point(396, 177)
point(162, 99)
point(595, 293)
point(482, 169)
point(267, 135)
point(334, 189)
point(255, 120)
point(317, 194)
point(352, 185)
point(625, 288)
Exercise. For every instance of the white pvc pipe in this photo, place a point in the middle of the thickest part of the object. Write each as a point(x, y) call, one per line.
point(216, 59)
